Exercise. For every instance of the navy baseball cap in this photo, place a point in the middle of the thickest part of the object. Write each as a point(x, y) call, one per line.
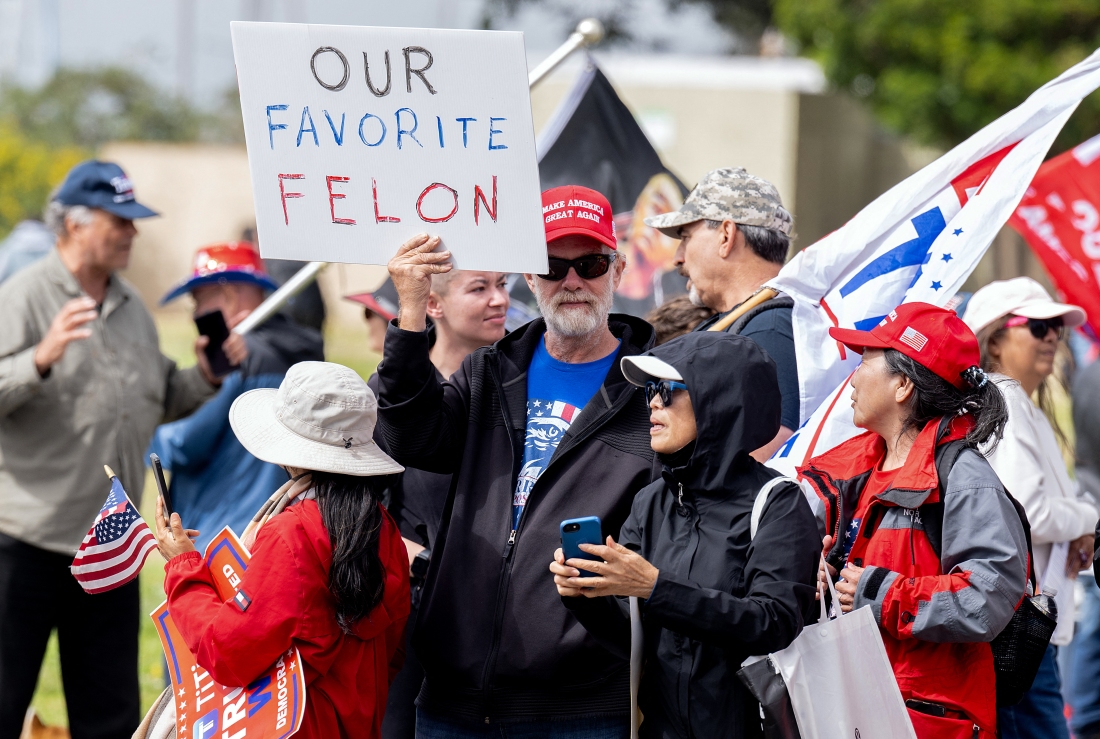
point(102, 185)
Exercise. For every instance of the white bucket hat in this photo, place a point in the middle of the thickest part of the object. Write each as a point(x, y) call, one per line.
point(1020, 296)
point(321, 418)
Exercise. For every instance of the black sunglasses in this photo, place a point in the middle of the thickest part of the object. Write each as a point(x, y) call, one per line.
point(1039, 327)
point(588, 267)
point(664, 388)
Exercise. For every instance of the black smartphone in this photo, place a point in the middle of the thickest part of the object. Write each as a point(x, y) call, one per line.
point(212, 325)
point(158, 473)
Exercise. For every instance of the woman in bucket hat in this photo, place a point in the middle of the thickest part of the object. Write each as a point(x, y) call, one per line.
point(940, 593)
point(328, 575)
point(1019, 327)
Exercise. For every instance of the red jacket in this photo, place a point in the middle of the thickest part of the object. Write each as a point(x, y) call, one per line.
point(347, 676)
point(937, 614)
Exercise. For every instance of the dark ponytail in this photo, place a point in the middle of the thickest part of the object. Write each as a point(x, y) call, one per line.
point(353, 518)
point(934, 397)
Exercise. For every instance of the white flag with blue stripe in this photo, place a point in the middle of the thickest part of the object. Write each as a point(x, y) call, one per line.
point(919, 241)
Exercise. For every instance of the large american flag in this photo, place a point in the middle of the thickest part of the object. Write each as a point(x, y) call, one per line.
point(116, 546)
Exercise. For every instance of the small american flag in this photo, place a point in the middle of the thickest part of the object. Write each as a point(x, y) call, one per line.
point(914, 338)
point(116, 546)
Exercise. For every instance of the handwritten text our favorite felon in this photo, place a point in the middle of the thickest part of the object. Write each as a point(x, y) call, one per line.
point(374, 131)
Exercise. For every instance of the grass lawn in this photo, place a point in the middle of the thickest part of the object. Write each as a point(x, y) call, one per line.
point(177, 335)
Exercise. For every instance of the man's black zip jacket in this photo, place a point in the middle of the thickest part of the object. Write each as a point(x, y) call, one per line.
point(495, 640)
point(721, 595)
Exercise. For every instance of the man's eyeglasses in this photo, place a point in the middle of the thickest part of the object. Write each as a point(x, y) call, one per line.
point(588, 267)
point(1039, 327)
point(663, 388)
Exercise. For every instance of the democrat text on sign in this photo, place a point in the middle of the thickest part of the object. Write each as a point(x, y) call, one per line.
point(271, 707)
point(361, 137)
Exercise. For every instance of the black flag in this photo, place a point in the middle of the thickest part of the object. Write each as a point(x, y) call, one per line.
point(593, 140)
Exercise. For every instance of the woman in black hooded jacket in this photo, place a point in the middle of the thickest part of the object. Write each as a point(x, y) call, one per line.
point(710, 593)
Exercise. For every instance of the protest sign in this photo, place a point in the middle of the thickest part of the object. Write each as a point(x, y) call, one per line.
point(1060, 218)
point(272, 707)
point(361, 137)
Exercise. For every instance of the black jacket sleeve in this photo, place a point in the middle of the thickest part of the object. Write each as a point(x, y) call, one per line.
point(422, 420)
point(779, 590)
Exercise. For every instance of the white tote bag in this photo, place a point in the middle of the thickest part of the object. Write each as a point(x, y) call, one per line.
point(840, 680)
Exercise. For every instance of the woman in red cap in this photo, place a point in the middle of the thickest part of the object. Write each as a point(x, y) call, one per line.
point(919, 525)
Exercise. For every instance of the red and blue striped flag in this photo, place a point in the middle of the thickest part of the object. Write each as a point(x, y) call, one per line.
point(115, 548)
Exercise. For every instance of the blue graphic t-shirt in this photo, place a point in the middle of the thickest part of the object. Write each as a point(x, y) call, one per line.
point(556, 393)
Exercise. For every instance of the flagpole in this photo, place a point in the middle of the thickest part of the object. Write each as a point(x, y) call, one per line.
point(589, 32)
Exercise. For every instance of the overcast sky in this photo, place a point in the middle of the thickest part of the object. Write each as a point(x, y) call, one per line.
point(184, 45)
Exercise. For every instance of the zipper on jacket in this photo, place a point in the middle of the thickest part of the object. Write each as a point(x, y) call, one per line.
point(680, 495)
point(506, 572)
point(506, 567)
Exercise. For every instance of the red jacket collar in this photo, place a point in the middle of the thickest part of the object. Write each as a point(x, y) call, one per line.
point(861, 454)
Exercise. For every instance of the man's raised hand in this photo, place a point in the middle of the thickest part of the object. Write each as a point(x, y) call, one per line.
point(67, 325)
point(411, 270)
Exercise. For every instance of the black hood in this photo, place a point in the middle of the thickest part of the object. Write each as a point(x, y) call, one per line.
point(278, 343)
point(735, 394)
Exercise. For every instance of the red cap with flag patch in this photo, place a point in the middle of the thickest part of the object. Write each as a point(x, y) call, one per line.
point(934, 337)
point(572, 210)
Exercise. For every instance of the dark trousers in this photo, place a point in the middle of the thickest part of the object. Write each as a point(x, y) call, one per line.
point(97, 635)
point(1040, 714)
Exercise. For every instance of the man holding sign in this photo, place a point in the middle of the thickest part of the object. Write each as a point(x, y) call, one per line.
point(539, 427)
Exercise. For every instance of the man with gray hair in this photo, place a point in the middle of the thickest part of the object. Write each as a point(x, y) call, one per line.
point(537, 428)
point(734, 236)
point(82, 384)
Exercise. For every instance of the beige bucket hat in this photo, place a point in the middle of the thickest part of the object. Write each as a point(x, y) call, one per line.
point(320, 418)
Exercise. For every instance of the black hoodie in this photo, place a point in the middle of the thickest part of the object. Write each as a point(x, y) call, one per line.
point(720, 595)
point(494, 639)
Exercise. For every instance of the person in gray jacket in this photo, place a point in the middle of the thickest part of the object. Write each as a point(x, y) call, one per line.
point(82, 384)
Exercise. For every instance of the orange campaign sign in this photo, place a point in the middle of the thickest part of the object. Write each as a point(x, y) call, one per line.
point(271, 707)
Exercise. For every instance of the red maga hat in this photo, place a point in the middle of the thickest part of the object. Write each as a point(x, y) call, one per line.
point(933, 337)
point(235, 261)
point(382, 301)
point(572, 210)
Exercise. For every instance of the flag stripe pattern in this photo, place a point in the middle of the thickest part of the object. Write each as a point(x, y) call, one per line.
point(115, 548)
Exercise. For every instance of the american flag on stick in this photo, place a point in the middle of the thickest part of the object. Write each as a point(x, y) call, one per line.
point(116, 546)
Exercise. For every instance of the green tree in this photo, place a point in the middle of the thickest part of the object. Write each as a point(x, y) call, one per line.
point(88, 108)
point(29, 170)
point(939, 70)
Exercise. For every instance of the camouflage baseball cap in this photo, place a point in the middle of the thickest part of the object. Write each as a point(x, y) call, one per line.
point(732, 194)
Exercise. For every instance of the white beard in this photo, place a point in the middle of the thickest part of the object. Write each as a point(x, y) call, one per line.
point(575, 322)
point(693, 296)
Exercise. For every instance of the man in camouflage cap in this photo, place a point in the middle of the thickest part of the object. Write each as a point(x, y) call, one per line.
point(734, 236)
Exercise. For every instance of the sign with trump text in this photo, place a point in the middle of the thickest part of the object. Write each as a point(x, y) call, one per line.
point(270, 707)
point(360, 138)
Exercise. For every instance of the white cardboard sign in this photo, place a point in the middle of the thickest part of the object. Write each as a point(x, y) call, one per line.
point(361, 137)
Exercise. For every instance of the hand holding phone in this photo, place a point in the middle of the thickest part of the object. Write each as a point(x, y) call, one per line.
point(577, 531)
point(158, 474)
point(212, 325)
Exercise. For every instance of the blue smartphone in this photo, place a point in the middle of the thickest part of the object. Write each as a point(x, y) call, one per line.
point(577, 531)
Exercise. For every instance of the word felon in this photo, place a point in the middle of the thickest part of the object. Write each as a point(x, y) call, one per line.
point(439, 209)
